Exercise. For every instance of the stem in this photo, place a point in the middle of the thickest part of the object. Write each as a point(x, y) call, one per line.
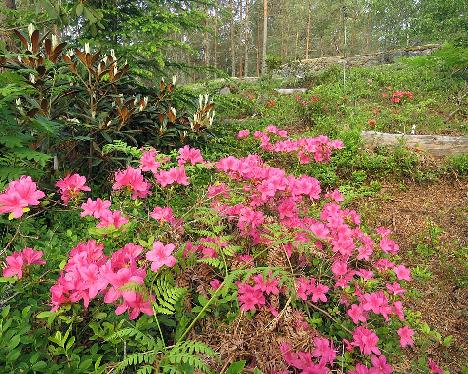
point(199, 315)
point(329, 316)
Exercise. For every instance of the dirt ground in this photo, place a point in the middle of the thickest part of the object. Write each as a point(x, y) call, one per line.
point(443, 301)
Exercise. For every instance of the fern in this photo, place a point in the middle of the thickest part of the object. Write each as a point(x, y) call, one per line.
point(131, 332)
point(134, 359)
point(167, 295)
point(122, 147)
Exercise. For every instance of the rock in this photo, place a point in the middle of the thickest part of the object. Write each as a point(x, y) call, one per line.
point(436, 145)
point(290, 91)
point(225, 91)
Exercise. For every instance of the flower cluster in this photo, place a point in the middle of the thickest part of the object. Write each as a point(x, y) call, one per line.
point(304, 103)
point(17, 262)
point(264, 211)
point(89, 273)
point(18, 196)
point(71, 186)
point(398, 96)
point(251, 294)
point(316, 149)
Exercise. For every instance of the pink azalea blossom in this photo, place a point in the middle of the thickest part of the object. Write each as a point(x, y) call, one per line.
point(148, 161)
point(161, 255)
point(215, 284)
point(17, 262)
point(132, 180)
point(192, 155)
point(324, 350)
point(433, 367)
point(19, 194)
point(357, 314)
point(359, 369)
point(366, 340)
point(96, 208)
point(112, 218)
point(243, 134)
point(249, 297)
point(71, 186)
point(14, 266)
point(402, 273)
point(406, 336)
point(380, 365)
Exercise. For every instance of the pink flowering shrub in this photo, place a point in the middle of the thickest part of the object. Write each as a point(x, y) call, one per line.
point(268, 238)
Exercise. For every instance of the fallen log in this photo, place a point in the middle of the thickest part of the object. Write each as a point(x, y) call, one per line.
point(436, 145)
point(290, 91)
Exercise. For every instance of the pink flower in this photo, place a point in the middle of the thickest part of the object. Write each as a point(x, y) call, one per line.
point(134, 306)
point(243, 134)
point(162, 214)
point(433, 367)
point(359, 369)
point(112, 218)
point(406, 336)
point(215, 284)
point(395, 288)
point(161, 255)
point(325, 350)
point(70, 187)
point(318, 291)
point(14, 265)
point(249, 297)
point(19, 194)
point(133, 180)
point(30, 256)
point(339, 268)
point(366, 340)
point(357, 314)
point(18, 260)
point(335, 195)
point(402, 273)
point(380, 365)
point(389, 246)
point(148, 161)
point(96, 208)
point(192, 155)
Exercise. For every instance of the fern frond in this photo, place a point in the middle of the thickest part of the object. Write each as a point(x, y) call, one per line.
point(167, 295)
point(122, 147)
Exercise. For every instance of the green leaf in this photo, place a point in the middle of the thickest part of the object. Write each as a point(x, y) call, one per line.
point(79, 9)
point(13, 343)
point(236, 367)
point(40, 365)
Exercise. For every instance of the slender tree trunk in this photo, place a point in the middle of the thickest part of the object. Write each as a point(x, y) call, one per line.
point(265, 35)
point(241, 33)
point(309, 11)
point(215, 44)
point(246, 37)
point(258, 48)
point(233, 55)
point(206, 40)
point(295, 46)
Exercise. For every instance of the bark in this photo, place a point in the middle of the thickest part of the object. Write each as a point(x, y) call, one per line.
point(215, 41)
point(246, 37)
point(241, 32)
point(308, 32)
point(233, 54)
point(265, 35)
point(206, 40)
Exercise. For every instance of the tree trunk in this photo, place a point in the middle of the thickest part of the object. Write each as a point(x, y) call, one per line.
point(206, 40)
point(241, 33)
point(308, 32)
point(258, 47)
point(246, 37)
point(233, 55)
point(265, 35)
point(215, 41)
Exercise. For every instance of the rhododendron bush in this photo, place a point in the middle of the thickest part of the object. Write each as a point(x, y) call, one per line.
point(259, 241)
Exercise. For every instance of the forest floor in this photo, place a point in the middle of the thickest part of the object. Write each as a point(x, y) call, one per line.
point(430, 223)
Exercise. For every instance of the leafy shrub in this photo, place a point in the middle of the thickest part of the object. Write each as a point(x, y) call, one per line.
point(87, 99)
point(255, 243)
